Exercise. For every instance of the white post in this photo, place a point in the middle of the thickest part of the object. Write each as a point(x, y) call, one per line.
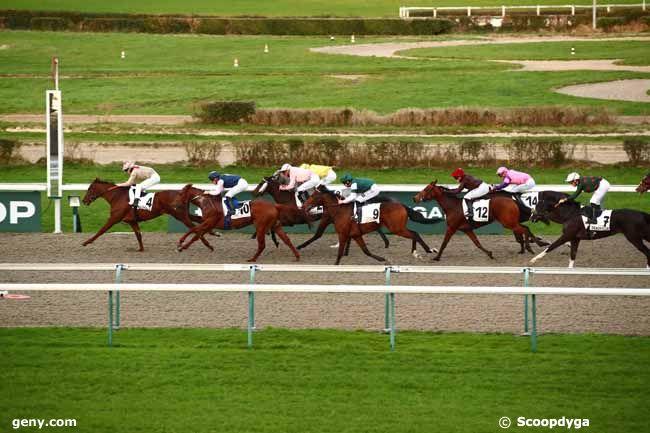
point(469, 11)
point(643, 5)
point(503, 11)
point(401, 11)
point(57, 215)
point(573, 10)
point(435, 12)
point(537, 10)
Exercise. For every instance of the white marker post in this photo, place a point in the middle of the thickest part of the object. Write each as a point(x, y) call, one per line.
point(54, 125)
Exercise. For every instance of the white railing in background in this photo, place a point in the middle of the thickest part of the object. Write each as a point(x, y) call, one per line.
point(383, 187)
point(405, 12)
point(387, 288)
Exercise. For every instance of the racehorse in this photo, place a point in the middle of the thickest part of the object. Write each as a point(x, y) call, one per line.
point(264, 215)
point(635, 225)
point(121, 211)
point(502, 209)
point(644, 185)
point(392, 215)
point(271, 185)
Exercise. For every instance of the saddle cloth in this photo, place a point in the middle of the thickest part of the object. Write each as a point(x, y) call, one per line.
point(481, 210)
point(603, 222)
point(242, 209)
point(369, 212)
point(146, 200)
point(530, 199)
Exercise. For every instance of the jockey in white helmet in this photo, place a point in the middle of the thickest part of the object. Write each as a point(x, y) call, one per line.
point(140, 176)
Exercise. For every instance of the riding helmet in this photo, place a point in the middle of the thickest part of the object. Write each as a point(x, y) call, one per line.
point(347, 177)
point(572, 176)
point(501, 170)
point(128, 165)
point(458, 173)
point(214, 175)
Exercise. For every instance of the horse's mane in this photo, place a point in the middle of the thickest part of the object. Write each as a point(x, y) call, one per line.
point(326, 190)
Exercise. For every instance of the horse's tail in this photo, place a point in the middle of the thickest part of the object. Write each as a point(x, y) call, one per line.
point(418, 218)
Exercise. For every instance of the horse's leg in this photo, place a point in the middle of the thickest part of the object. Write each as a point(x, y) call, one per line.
point(383, 236)
point(522, 235)
point(539, 241)
point(112, 220)
point(520, 241)
point(362, 244)
point(423, 244)
point(260, 231)
point(574, 251)
point(565, 237)
point(638, 243)
point(448, 234)
point(343, 240)
point(287, 241)
point(274, 239)
point(474, 239)
point(319, 232)
point(138, 234)
point(188, 223)
point(347, 247)
point(197, 231)
point(410, 234)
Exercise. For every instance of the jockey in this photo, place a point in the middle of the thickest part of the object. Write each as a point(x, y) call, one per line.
point(514, 181)
point(360, 190)
point(300, 179)
point(234, 183)
point(146, 175)
point(596, 184)
point(325, 172)
point(476, 188)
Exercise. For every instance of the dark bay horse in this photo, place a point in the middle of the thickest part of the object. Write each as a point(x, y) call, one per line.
point(644, 185)
point(502, 209)
point(393, 215)
point(264, 216)
point(271, 185)
point(121, 211)
point(635, 225)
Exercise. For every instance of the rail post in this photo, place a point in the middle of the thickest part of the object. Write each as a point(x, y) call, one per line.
point(503, 11)
point(387, 271)
point(118, 280)
point(110, 318)
point(533, 334)
point(526, 282)
point(392, 322)
point(251, 307)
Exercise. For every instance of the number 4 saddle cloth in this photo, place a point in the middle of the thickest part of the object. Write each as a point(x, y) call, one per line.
point(146, 199)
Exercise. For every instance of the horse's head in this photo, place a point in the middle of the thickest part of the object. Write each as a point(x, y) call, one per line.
point(96, 189)
point(265, 183)
point(321, 197)
point(644, 185)
point(429, 192)
point(184, 196)
point(550, 205)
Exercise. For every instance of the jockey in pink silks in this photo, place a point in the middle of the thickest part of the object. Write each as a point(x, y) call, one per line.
point(514, 181)
point(301, 180)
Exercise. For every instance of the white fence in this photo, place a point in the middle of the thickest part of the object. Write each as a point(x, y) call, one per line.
point(405, 12)
point(251, 287)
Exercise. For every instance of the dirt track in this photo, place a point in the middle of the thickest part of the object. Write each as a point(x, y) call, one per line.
point(618, 315)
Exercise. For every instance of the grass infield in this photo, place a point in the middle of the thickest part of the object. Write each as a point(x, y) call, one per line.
point(206, 380)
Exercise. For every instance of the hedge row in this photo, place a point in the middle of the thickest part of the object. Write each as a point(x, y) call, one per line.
point(29, 20)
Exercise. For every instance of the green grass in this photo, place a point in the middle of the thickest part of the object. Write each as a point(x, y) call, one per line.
point(378, 8)
point(93, 217)
point(630, 52)
point(206, 380)
point(165, 74)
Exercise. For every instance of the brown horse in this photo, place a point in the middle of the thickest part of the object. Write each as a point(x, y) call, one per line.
point(264, 215)
point(502, 209)
point(271, 185)
point(393, 215)
point(118, 198)
point(644, 185)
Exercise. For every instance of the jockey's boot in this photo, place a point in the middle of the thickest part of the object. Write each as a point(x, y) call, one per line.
point(470, 209)
point(136, 201)
point(593, 211)
point(357, 217)
point(230, 206)
point(302, 196)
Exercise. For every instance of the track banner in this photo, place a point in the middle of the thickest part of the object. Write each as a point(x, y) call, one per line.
point(20, 211)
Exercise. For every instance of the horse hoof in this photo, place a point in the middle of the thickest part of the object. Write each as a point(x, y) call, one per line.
point(436, 259)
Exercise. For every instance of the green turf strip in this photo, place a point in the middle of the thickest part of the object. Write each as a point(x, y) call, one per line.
point(206, 380)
